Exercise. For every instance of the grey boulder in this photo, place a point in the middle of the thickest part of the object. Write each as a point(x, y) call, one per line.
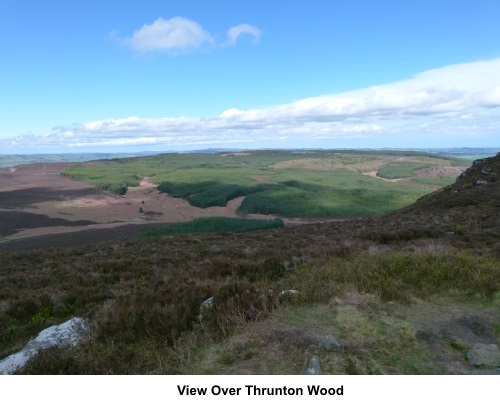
point(483, 354)
point(65, 334)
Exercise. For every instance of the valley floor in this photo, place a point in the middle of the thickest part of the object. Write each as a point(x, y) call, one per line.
point(40, 208)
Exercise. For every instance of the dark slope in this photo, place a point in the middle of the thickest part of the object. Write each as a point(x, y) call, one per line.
point(467, 211)
point(478, 186)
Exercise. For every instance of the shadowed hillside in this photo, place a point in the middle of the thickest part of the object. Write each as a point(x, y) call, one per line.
point(467, 213)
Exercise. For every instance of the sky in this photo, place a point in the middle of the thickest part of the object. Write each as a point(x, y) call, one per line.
point(156, 75)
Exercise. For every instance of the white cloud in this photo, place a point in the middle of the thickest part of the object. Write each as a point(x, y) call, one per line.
point(174, 34)
point(452, 90)
point(180, 34)
point(234, 32)
point(454, 101)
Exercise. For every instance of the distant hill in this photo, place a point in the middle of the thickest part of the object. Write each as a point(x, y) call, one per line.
point(23, 159)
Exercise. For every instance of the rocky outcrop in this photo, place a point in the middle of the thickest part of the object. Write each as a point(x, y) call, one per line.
point(65, 334)
point(482, 171)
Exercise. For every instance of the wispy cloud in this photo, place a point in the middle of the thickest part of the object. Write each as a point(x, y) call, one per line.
point(180, 34)
point(460, 100)
point(452, 91)
point(234, 33)
point(172, 35)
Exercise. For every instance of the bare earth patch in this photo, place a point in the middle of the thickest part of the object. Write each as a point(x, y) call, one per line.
point(374, 175)
point(434, 172)
point(260, 178)
point(431, 172)
point(236, 154)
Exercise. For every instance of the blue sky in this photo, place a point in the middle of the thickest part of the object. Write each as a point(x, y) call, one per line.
point(79, 76)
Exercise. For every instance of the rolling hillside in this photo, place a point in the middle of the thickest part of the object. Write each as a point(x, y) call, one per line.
point(407, 293)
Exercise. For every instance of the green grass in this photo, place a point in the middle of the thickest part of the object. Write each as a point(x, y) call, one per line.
point(399, 171)
point(401, 276)
point(397, 349)
point(364, 312)
point(214, 224)
point(115, 181)
point(333, 194)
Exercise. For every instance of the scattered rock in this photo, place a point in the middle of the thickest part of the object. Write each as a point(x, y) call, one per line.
point(330, 343)
point(285, 293)
point(481, 182)
point(483, 354)
point(314, 368)
point(65, 334)
point(207, 304)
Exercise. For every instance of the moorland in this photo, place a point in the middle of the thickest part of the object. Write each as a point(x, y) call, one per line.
point(390, 252)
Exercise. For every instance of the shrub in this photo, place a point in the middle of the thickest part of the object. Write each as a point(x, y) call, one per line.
point(215, 224)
